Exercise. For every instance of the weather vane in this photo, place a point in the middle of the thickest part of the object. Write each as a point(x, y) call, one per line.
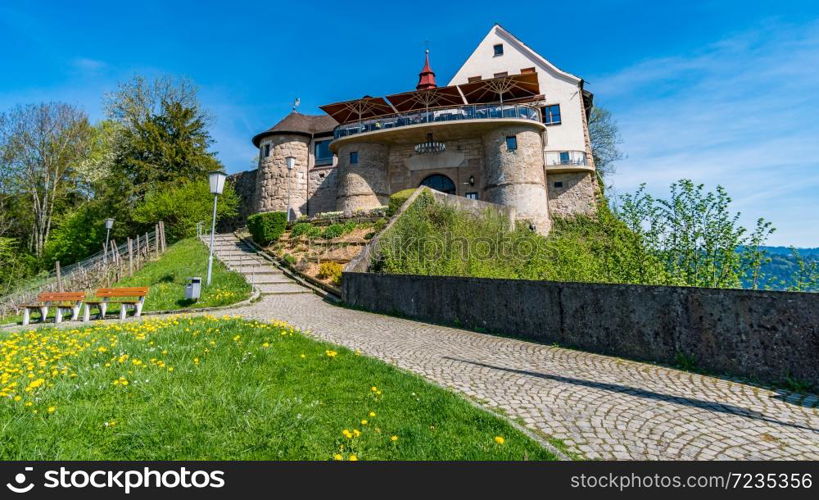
point(296, 103)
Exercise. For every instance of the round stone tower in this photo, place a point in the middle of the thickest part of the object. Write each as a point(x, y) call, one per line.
point(516, 177)
point(362, 176)
point(275, 183)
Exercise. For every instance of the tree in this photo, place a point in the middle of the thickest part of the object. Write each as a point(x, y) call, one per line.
point(605, 138)
point(162, 136)
point(41, 146)
point(696, 236)
point(182, 206)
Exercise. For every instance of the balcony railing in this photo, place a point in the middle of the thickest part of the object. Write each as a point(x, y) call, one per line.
point(469, 112)
point(566, 158)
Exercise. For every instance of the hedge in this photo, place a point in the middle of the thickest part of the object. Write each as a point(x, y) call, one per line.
point(267, 227)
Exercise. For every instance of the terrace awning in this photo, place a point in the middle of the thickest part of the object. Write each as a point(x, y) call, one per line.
point(425, 99)
point(504, 88)
point(358, 109)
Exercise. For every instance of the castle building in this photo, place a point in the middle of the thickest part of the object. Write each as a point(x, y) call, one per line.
point(509, 128)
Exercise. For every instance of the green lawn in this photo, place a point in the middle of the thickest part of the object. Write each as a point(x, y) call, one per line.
point(167, 277)
point(207, 388)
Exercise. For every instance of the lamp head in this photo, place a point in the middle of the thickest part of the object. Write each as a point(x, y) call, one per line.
point(291, 162)
point(217, 181)
point(109, 223)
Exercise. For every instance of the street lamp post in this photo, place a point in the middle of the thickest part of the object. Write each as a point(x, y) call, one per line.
point(109, 223)
point(217, 184)
point(291, 162)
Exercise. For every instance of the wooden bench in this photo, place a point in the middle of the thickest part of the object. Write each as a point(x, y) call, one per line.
point(61, 301)
point(133, 297)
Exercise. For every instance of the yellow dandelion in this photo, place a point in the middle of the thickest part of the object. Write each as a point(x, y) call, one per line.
point(499, 439)
point(364, 422)
point(393, 438)
point(372, 414)
point(338, 457)
point(52, 409)
point(353, 458)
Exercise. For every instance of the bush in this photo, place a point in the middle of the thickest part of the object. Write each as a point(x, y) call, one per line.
point(300, 229)
point(289, 259)
point(331, 270)
point(314, 232)
point(182, 206)
point(267, 227)
point(398, 199)
point(333, 231)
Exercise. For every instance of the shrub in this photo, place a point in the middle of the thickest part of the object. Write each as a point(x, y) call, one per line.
point(314, 232)
point(398, 199)
point(289, 259)
point(331, 270)
point(333, 231)
point(300, 229)
point(182, 206)
point(267, 227)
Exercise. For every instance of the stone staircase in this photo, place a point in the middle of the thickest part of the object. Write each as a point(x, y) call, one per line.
point(259, 272)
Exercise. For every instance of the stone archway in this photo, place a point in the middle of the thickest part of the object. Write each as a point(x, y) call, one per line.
point(439, 182)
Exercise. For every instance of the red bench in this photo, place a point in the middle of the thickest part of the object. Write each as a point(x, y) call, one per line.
point(61, 301)
point(133, 297)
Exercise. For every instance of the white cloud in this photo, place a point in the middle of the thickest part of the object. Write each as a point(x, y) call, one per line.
point(740, 113)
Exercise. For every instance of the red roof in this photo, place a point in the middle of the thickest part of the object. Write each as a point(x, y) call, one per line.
point(426, 79)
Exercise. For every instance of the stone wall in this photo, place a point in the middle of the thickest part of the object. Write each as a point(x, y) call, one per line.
point(462, 159)
point(576, 195)
point(323, 188)
point(275, 184)
point(517, 178)
point(758, 334)
point(244, 183)
point(364, 185)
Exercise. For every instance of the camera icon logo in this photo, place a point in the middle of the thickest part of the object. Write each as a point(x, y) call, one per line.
point(20, 478)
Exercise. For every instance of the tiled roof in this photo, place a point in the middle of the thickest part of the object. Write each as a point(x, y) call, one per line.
point(297, 123)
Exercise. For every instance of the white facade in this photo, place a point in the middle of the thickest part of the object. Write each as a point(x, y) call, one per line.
point(557, 86)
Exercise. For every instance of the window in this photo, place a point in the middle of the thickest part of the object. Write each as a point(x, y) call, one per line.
point(498, 75)
point(353, 157)
point(498, 49)
point(511, 143)
point(472, 196)
point(564, 158)
point(558, 184)
point(551, 114)
point(323, 154)
point(266, 150)
point(527, 70)
point(473, 79)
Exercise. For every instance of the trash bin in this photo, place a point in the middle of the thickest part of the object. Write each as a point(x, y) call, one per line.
point(194, 288)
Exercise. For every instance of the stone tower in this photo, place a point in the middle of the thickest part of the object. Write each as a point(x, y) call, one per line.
point(275, 183)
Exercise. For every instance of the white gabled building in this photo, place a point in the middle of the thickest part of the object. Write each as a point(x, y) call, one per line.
point(566, 103)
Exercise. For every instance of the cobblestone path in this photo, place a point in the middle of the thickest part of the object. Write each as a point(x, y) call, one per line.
point(601, 407)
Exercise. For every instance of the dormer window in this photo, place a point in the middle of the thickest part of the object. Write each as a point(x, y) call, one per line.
point(498, 49)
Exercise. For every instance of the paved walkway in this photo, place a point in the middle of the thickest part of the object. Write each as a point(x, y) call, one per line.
point(601, 407)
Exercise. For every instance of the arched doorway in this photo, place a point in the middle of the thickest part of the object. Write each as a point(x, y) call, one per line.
point(439, 182)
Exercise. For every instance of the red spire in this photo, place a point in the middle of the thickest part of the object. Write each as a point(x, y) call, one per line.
point(426, 79)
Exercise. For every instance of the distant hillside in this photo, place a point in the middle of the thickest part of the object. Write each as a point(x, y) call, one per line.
point(778, 273)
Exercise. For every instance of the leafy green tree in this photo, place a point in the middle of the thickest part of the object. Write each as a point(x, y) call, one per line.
point(696, 235)
point(162, 137)
point(40, 147)
point(79, 234)
point(182, 206)
point(605, 140)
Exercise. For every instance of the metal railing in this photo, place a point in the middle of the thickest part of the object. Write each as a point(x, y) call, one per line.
point(454, 113)
point(103, 268)
point(568, 158)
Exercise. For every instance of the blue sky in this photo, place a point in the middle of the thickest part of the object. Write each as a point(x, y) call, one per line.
point(723, 92)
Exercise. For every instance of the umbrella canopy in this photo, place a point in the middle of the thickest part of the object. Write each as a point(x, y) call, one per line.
point(504, 88)
point(425, 99)
point(358, 109)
